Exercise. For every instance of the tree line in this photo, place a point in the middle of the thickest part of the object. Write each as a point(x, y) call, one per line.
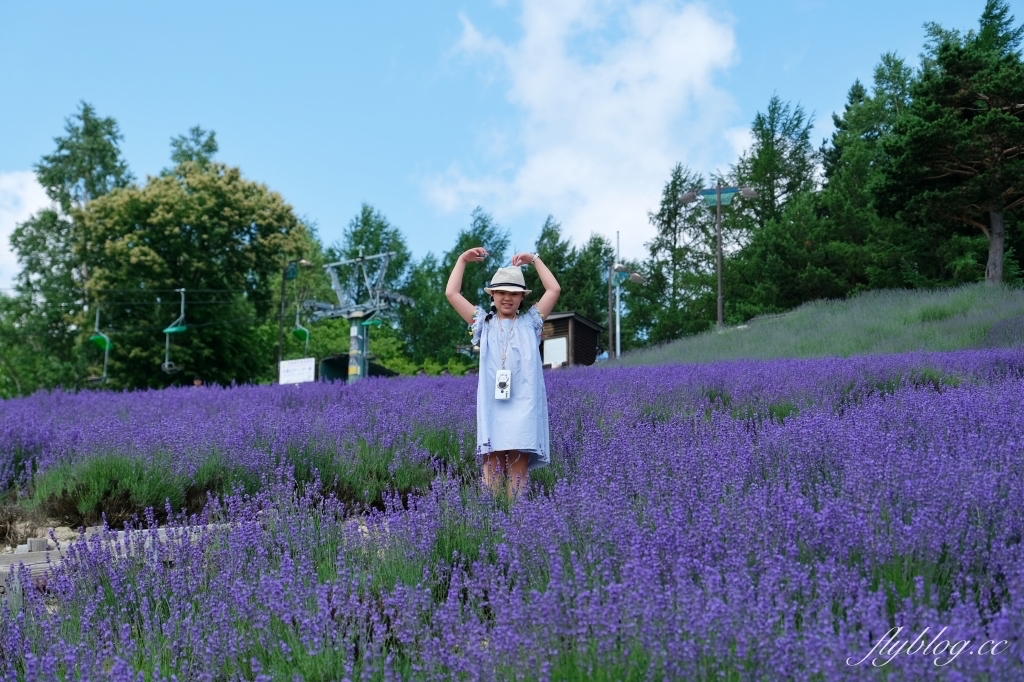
point(916, 187)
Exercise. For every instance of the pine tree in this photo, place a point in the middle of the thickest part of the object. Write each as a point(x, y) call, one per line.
point(957, 155)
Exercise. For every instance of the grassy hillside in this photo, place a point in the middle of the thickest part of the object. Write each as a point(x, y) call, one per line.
point(890, 321)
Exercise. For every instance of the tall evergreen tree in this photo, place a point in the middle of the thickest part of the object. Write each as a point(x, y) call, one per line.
point(556, 252)
point(680, 268)
point(85, 165)
point(781, 163)
point(850, 247)
point(957, 154)
point(87, 162)
point(432, 329)
point(367, 234)
point(582, 271)
point(199, 146)
point(584, 283)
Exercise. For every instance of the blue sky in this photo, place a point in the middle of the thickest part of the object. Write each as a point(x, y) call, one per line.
point(575, 108)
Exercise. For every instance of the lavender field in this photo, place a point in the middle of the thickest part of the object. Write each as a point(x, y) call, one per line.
point(733, 521)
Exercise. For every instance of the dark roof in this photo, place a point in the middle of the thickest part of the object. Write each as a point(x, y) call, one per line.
point(579, 318)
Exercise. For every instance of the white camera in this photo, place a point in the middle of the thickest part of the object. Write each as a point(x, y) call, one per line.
point(503, 384)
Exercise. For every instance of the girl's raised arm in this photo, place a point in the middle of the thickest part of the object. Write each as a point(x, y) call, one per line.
point(551, 288)
point(453, 292)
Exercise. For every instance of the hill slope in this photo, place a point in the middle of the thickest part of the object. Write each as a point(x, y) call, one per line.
point(888, 321)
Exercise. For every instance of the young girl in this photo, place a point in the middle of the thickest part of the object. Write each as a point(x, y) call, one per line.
point(512, 431)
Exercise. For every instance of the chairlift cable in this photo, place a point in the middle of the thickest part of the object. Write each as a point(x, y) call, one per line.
point(130, 330)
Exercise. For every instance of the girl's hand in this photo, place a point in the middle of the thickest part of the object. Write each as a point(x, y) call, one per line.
point(478, 254)
point(523, 259)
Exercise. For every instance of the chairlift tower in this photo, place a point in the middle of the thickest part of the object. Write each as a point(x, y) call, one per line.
point(360, 315)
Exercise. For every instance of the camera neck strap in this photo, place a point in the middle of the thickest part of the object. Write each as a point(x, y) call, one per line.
point(504, 339)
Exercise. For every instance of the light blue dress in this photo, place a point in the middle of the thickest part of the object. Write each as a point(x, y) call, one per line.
point(521, 422)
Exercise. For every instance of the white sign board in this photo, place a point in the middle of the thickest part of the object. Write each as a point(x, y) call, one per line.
point(556, 351)
point(297, 371)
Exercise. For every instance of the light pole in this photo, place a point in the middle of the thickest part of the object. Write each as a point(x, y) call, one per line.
point(718, 197)
point(619, 271)
point(618, 308)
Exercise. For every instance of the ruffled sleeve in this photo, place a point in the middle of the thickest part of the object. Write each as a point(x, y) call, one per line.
point(477, 325)
point(535, 321)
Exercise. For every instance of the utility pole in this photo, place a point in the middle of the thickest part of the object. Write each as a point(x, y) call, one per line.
point(618, 305)
point(718, 233)
point(280, 316)
point(611, 328)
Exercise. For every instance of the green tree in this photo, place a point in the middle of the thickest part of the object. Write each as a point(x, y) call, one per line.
point(680, 268)
point(956, 156)
point(770, 270)
point(199, 146)
point(832, 243)
point(557, 254)
point(86, 164)
point(433, 331)
point(584, 282)
point(26, 365)
point(203, 228)
point(781, 163)
point(853, 247)
point(367, 234)
point(427, 328)
point(582, 272)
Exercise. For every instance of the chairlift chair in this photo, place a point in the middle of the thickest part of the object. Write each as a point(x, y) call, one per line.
point(301, 333)
point(176, 327)
point(101, 341)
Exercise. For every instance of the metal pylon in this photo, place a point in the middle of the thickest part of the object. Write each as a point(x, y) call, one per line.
point(358, 314)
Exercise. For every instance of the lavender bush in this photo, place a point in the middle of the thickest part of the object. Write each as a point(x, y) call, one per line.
point(744, 520)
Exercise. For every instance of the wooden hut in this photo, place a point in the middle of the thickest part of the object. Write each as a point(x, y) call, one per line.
point(569, 339)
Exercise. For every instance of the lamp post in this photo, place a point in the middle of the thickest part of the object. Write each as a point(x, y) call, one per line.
point(291, 271)
point(618, 271)
point(718, 197)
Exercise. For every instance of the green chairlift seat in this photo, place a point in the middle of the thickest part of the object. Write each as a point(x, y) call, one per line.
point(300, 332)
point(176, 327)
point(101, 341)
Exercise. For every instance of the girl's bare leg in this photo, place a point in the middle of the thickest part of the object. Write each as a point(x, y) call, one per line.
point(508, 467)
point(518, 471)
point(494, 470)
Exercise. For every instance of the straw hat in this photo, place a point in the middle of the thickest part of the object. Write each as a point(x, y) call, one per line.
point(508, 279)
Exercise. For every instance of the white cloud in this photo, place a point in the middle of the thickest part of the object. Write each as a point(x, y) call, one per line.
point(20, 197)
point(740, 139)
point(612, 94)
